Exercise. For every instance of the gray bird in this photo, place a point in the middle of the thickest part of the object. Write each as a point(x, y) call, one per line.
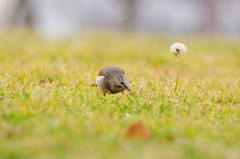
point(112, 79)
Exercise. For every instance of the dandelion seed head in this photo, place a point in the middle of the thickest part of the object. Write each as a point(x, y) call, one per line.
point(178, 48)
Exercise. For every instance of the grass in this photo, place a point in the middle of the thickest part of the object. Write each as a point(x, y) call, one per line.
point(67, 118)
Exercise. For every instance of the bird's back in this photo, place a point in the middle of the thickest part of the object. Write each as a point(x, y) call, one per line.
point(109, 70)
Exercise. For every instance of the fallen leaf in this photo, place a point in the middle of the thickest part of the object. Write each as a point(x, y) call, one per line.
point(139, 131)
point(171, 137)
point(45, 81)
point(1, 98)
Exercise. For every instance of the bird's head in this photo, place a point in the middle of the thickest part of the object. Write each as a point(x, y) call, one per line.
point(120, 82)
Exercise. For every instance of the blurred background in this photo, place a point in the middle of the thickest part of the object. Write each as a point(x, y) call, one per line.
point(67, 17)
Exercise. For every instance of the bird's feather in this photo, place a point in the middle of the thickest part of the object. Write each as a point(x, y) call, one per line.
point(109, 70)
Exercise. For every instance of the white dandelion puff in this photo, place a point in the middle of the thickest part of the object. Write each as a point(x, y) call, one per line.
point(178, 48)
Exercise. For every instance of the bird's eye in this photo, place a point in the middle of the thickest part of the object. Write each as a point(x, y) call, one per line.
point(121, 83)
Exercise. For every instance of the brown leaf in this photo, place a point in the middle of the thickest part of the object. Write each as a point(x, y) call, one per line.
point(139, 131)
point(45, 81)
point(171, 137)
point(1, 98)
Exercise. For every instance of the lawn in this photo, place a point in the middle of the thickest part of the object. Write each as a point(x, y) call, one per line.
point(48, 108)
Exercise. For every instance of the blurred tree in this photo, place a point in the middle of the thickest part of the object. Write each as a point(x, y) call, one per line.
point(22, 14)
point(211, 8)
point(129, 15)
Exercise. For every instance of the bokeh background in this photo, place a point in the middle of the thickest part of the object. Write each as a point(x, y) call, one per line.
point(51, 18)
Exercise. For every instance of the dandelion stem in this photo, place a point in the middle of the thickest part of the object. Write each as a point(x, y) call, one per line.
point(177, 77)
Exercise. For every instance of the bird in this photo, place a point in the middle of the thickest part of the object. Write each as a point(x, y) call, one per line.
point(112, 79)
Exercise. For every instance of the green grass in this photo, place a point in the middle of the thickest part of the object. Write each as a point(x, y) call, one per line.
point(70, 119)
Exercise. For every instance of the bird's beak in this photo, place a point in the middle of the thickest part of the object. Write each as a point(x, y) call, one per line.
point(126, 87)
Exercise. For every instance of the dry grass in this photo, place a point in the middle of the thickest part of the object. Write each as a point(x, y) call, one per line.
point(65, 117)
